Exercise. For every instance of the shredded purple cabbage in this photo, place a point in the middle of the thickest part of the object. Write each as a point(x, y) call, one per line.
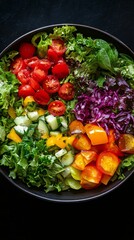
point(111, 106)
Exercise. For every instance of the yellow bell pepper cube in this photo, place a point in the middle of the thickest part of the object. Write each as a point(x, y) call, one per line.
point(27, 100)
point(41, 111)
point(14, 136)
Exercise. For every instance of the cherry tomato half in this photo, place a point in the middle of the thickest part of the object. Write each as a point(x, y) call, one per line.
point(23, 75)
point(57, 108)
point(17, 65)
point(32, 62)
point(27, 50)
point(58, 46)
point(41, 97)
point(38, 74)
point(66, 91)
point(25, 90)
point(52, 56)
point(61, 69)
point(34, 84)
point(44, 64)
point(51, 84)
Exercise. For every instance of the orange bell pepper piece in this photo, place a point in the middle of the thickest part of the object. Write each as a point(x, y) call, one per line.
point(111, 145)
point(105, 179)
point(91, 174)
point(96, 134)
point(79, 162)
point(107, 162)
point(89, 155)
point(82, 142)
point(83, 158)
point(88, 185)
point(76, 126)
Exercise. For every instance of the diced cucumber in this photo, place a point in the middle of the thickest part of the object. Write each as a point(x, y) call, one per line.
point(33, 115)
point(75, 173)
point(67, 159)
point(60, 153)
point(52, 121)
point(66, 172)
point(22, 120)
point(42, 118)
point(72, 183)
point(42, 127)
point(63, 122)
point(20, 129)
point(54, 133)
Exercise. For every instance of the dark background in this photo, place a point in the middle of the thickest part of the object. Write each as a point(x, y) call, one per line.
point(24, 217)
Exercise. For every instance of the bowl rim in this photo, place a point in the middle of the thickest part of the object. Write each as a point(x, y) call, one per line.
point(49, 196)
point(69, 24)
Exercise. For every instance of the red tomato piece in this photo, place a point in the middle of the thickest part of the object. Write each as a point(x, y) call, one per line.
point(44, 64)
point(17, 65)
point(41, 97)
point(38, 74)
point(51, 84)
point(61, 70)
point(66, 91)
point(58, 46)
point(34, 84)
point(25, 90)
point(27, 50)
point(32, 62)
point(57, 108)
point(107, 162)
point(23, 75)
point(52, 56)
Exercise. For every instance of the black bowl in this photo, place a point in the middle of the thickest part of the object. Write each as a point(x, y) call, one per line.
point(71, 195)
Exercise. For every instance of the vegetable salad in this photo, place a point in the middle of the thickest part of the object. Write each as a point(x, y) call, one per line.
point(67, 111)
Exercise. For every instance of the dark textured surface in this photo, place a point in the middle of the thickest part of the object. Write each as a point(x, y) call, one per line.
point(25, 217)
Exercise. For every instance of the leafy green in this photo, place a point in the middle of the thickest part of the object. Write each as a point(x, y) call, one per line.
point(126, 163)
point(65, 32)
point(41, 41)
point(125, 65)
point(32, 162)
point(5, 61)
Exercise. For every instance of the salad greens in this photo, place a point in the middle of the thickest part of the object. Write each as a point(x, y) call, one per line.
point(93, 63)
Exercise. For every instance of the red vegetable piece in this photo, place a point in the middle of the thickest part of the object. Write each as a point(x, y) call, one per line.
point(41, 97)
point(25, 90)
point(51, 84)
point(61, 70)
point(57, 108)
point(66, 91)
point(27, 50)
